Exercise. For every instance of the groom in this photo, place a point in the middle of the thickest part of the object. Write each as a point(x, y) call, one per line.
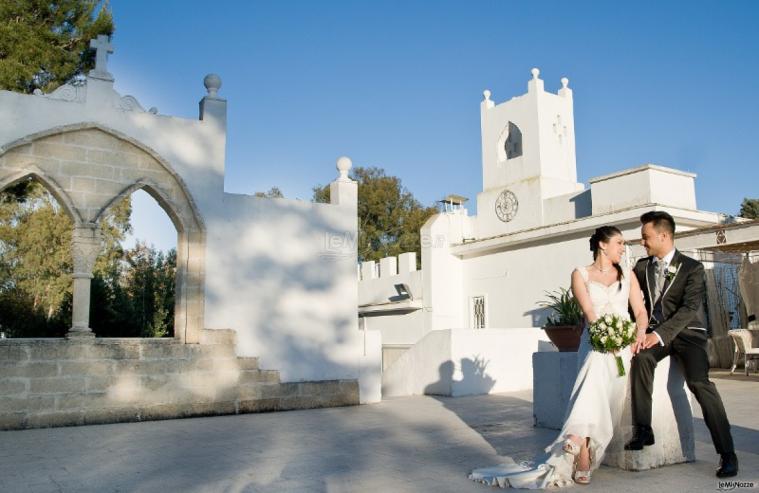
point(673, 288)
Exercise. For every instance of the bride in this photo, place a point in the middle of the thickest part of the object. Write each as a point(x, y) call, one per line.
point(598, 396)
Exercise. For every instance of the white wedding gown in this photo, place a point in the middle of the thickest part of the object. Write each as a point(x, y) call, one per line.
point(595, 405)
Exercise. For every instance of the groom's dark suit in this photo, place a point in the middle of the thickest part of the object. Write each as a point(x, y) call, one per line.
point(675, 316)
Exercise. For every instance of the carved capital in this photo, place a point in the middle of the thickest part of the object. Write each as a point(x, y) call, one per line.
point(86, 243)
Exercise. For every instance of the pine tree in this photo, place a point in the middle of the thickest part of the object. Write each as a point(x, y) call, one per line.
point(45, 43)
point(389, 217)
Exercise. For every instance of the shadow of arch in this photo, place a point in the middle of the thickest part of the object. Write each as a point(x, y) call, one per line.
point(50, 185)
point(164, 185)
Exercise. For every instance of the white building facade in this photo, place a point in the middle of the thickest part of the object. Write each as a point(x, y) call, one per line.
point(490, 271)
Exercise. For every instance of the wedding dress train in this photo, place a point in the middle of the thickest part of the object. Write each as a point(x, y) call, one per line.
point(595, 406)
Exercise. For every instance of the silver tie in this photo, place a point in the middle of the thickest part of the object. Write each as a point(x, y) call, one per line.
point(661, 275)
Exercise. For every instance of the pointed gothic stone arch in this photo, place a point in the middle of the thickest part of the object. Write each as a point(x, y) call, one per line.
point(92, 167)
point(14, 177)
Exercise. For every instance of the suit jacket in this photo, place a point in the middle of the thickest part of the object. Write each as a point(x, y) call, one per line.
point(682, 299)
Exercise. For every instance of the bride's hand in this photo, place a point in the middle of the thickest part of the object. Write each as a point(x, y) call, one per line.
point(639, 342)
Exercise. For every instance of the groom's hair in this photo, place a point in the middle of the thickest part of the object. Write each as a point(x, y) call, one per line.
point(662, 221)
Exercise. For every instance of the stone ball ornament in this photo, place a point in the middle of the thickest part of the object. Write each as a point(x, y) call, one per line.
point(213, 84)
point(506, 206)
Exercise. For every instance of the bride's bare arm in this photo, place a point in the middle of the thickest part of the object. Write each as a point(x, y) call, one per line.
point(580, 292)
point(639, 311)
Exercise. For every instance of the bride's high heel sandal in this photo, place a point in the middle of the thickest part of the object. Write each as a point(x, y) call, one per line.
point(583, 477)
point(570, 447)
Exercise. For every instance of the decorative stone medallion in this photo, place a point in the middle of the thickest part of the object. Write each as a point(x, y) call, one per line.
point(506, 206)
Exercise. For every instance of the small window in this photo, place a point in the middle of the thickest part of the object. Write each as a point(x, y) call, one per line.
point(513, 145)
point(478, 312)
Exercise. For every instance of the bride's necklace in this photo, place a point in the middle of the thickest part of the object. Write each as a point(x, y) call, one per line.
point(603, 271)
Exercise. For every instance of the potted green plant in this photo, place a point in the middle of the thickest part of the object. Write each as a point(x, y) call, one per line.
point(564, 326)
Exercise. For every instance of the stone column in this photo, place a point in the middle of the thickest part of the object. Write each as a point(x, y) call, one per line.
point(85, 247)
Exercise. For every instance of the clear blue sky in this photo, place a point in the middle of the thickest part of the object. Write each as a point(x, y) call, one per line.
point(397, 84)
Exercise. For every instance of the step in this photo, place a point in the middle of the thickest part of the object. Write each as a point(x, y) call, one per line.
point(247, 362)
point(258, 376)
point(218, 336)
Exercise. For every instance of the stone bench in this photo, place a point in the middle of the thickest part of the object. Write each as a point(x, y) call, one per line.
point(554, 374)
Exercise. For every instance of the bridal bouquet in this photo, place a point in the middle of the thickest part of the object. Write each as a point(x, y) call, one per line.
point(612, 333)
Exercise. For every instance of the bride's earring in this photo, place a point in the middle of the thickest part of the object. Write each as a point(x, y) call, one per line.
point(603, 252)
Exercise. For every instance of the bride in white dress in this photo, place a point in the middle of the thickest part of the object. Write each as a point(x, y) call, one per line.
point(598, 396)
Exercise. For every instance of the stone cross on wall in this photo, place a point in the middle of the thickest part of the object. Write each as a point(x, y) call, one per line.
point(102, 46)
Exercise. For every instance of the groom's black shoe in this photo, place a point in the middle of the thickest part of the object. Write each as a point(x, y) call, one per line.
point(728, 466)
point(643, 436)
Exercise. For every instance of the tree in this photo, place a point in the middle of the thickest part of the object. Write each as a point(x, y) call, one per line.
point(44, 44)
point(749, 208)
point(36, 262)
point(149, 283)
point(273, 193)
point(35, 253)
point(389, 217)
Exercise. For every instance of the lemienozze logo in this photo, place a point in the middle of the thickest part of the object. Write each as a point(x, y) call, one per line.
point(734, 485)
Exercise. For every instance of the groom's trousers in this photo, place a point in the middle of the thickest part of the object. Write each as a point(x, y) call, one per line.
point(689, 347)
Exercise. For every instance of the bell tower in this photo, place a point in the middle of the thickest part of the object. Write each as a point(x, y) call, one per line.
point(528, 155)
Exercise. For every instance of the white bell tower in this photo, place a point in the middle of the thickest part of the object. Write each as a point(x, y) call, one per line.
point(528, 156)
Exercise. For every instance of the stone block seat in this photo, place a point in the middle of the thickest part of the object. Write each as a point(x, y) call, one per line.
point(554, 375)
point(63, 382)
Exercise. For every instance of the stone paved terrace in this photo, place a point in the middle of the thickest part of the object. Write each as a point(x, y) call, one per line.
point(415, 444)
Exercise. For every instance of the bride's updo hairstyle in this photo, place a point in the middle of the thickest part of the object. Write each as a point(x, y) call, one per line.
point(604, 234)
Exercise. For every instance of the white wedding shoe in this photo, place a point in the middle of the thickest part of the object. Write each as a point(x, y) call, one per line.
point(583, 477)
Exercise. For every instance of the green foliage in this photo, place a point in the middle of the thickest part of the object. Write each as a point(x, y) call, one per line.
point(132, 292)
point(35, 257)
point(45, 43)
point(273, 193)
point(389, 217)
point(749, 208)
point(566, 310)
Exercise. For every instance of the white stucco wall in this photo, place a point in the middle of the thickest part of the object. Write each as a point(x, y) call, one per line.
point(272, 271)
point(273, 279)
point(466, 362)
point(193, 148)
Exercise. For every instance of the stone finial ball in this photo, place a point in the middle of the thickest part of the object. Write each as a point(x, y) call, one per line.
point(487, 94)
point(535, 73)
point(344, 164)
point(564, 82)
point(212, 83)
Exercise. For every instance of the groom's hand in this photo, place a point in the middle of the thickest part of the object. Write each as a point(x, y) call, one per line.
point(651, 340)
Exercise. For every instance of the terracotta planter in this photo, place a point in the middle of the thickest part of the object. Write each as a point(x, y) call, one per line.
point(565, 337)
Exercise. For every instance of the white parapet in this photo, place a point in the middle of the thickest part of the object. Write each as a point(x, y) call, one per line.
point(368, 271)
point(465, 362)
point(644, 185)
point(388, 267)
point(407, 262)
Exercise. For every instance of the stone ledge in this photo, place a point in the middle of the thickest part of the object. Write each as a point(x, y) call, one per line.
point(60, 382)
point(75, 409)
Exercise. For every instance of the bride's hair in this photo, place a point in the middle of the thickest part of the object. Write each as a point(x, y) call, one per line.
point(604, 234)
